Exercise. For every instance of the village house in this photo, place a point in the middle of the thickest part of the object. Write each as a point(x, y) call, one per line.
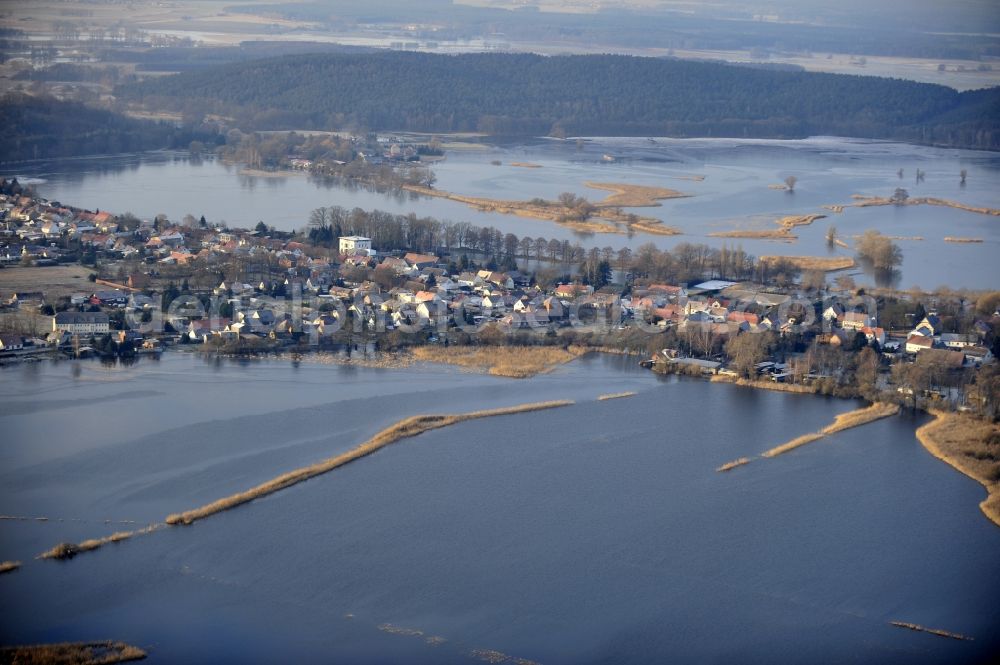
point(856, 321)
point(10, 342)
point(917, 343)
point(348, 245)
point(81, 323)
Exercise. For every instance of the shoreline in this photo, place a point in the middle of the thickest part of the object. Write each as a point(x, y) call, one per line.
point(946, 435)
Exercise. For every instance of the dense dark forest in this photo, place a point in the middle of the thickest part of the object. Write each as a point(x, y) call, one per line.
point(511, 94)
point(45, 128)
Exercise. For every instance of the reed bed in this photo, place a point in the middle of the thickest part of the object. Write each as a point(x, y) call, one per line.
point(859, 417)
point(625, 195)
point(862, 201)
point(960, 239)
point(963, 442)
point(765, 234)
point(526, 165)
point(765, 385)
point(627, 393)
point(824, 263)
point(732, 465)
point(516, 362)
point(609, 209)
point(841, 422)
point(9, 566)
point(70, 550)
point(793, 444)
point(73, 653)
point(408, 427)
point(791, 221)
point(932, 631)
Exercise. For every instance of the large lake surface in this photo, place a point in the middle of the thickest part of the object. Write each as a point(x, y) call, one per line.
point(594, 533)
point(733, 194)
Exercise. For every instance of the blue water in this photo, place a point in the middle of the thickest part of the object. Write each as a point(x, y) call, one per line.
point(734, 194)
point(594, 533)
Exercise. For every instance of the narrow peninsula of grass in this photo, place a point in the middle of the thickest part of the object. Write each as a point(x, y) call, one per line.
point(824, 263)
point(9, 566)
point(843, 421)
point(70, 550)
point(735, 463)
point(765, 385)
point(783, 232)
point(932, 631)
point(408, 427)
point(970, 445)
point(73, 653)
point(628, 393)
point(517, 362)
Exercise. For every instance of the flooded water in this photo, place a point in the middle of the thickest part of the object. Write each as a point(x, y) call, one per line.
point(594, 533)
point(733, 194)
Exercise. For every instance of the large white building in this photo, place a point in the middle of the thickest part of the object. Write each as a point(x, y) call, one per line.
point(80, 323)
point(355, 245)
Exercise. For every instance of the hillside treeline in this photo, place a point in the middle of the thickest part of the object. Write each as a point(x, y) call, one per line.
point(523, 94)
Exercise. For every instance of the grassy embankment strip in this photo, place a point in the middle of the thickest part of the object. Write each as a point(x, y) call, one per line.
point(862, 201)
point(624, 195)
point(841, 422)
point(8, 566)
point(735, 463)
point(73, 653)
point(932, 631)
point(786, 225)
point(971, 446)
point(628, 393)
point(765, 385)
point(824, 263)
point(517, 362)
point(962, 240)
point(70, 550)
point(405, 428)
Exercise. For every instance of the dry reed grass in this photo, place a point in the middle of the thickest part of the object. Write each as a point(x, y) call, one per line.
point(766, 234)
point(8, 566)
point(793, 444)
point(791, 221)
point(624, 195)
point(964, 442)
point(735, 463)
point(859, 417)
point(516, 362)
point(408, 427)
point(628, 393)
point(765, 385)
point(616, 221)
point(932, 631)
point(70, 550)
point(72, 653)
point(962, 240)
point(824, 263)
point(862, 201)
point(841, 422)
